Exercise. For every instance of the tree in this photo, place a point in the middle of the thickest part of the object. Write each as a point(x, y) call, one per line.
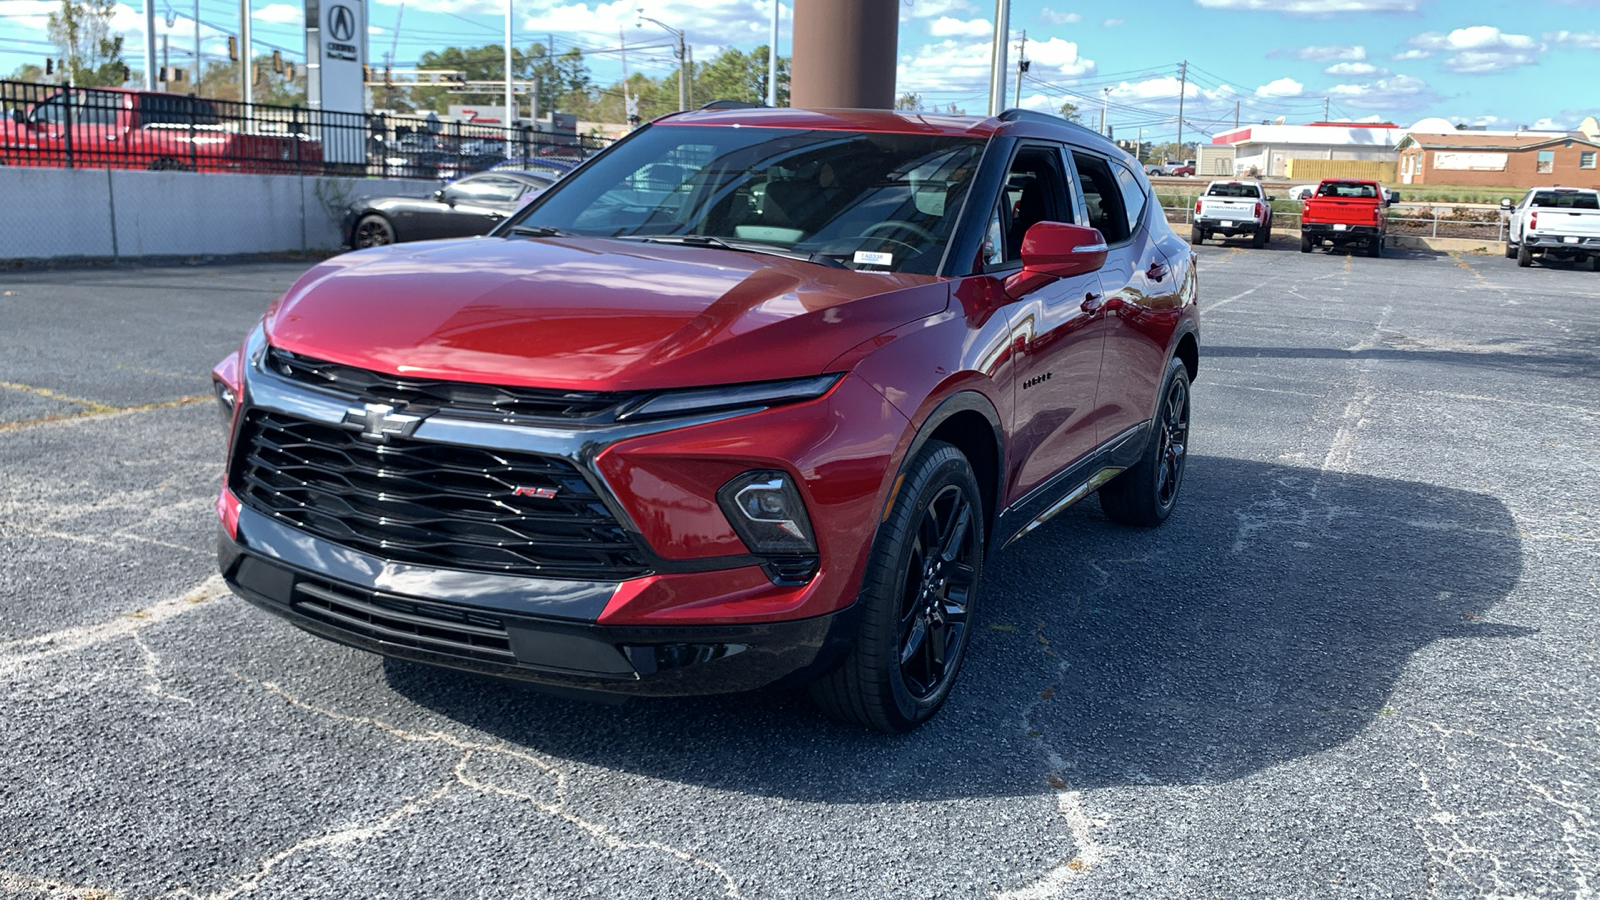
point(564, 81)
point(27, 72)
point(909, 102)
point(1069, 111)
point(221, 82)
point(90, 54)
point(736, 76)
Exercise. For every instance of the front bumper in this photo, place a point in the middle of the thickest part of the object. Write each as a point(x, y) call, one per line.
point(539, 631)
point(1339, 232)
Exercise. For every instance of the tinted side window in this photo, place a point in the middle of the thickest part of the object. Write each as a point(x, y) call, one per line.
point(1035, 191)
point(1102, 197)
point(99, 108)
point(1133, 198)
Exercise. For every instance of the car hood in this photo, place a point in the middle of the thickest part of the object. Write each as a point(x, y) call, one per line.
point(588, 313)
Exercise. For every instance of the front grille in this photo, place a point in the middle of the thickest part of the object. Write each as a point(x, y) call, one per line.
point(410, 624)
point(433, 504)
point(364, 386)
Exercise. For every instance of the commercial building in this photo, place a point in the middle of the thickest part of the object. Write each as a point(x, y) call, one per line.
point(1510, 159)
point(1266, 150)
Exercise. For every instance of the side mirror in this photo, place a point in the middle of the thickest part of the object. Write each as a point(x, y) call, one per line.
point(439, 195)
point(1391, 196)
point(18, 116)
point(1270, 199)
point(1505, 203)
point(1052, 250)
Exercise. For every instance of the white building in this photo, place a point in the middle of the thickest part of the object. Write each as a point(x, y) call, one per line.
point(1267, 149)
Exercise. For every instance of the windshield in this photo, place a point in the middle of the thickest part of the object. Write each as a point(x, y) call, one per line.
point(1354, 191)
point(879, 202)
point(1234, 190)
point(1566, 200)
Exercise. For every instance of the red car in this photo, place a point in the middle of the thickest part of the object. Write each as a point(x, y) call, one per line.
point(120, 128)
point(746, 400)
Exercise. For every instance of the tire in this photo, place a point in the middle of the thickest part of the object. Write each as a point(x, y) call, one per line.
point(1511, 250)
point(1197, 236)
point(1524, 256)
point(372, 231)
point(1375, 247)
point(168, 164)
point(1305, 244)
point(1144, 496)
point(916, 605)
point(1258, 239)
point(1594, 263)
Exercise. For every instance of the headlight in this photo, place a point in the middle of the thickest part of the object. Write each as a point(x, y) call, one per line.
point(765, 508)
point(738, 396)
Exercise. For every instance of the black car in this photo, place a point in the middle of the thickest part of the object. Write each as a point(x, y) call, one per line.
point(463, 208)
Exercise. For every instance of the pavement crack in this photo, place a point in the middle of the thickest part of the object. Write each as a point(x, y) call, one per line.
point(50, 888)
point(557, 808)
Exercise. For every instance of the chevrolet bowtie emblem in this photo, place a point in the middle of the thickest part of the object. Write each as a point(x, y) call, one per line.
point(378, 422)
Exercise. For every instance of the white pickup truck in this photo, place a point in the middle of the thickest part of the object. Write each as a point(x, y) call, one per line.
point(1555, 223)
point(1231, 209)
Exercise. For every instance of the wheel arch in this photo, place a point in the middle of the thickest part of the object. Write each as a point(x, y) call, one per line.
point(970, 423)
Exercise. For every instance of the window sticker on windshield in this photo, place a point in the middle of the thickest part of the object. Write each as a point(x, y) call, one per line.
point(864, 258)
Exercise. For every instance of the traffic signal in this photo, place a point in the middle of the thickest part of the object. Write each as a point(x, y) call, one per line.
point(49, 66)
point(233, 48)
point(277, 61)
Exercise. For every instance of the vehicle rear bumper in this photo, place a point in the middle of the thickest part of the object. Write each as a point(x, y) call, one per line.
point(1584, 243)
point(1232, 226)
point(442, 627)
point(1333, 231)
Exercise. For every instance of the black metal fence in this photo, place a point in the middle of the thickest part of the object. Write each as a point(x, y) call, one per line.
point(60, 126)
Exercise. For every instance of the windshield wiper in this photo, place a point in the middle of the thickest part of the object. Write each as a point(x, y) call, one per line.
point(705, 240)
point(537, 231)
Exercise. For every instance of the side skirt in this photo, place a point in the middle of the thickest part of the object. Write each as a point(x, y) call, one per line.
point(1072, 484)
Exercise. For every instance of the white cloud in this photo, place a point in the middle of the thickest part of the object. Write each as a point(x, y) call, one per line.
point(1316, 7)
point(1584, 40)
point(927, 9)
point(948, 27)
point(1283, 87)
point(31, 14)
point(1548, 124)
point(1411, 54)
point(1353, 70)
point(1051, 17)
point(1480, 49)
point(280, 14)
point(1112, 23)
point(1060, 55)
point(1344, 52)
point(710, 25)
point(963, 65)
point(1400, 92)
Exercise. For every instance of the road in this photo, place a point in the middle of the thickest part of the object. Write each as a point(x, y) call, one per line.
point(1361, 659)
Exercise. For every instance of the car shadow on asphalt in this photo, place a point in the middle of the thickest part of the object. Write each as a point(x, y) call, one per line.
point(1270, 619)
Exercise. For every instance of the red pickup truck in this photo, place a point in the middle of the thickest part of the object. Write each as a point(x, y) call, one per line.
point(1346, 211)
point(129, 129)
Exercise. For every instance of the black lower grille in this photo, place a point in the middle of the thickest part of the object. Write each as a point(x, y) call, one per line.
point(434, 504)
point(403, 622)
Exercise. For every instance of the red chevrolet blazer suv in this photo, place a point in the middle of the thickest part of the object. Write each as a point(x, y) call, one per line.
point(744, 401)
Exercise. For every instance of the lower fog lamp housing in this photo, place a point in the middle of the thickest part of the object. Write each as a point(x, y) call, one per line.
point(765, 509)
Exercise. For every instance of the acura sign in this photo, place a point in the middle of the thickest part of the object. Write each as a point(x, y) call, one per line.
point(336, 55)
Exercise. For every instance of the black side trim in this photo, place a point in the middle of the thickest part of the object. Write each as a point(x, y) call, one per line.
point(1121, 451)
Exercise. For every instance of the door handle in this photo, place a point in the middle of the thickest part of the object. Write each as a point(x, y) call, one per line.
point(495, 217)
point(1156, 272)
point(1092, 302)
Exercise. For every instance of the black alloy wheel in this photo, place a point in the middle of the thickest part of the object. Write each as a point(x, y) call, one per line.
point(938, 587)
point(373, 231)
point(916, 601)
point(1145, 495)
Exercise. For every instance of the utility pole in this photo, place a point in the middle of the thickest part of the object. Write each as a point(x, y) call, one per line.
point(772, 59)
point(1105, 101)
point(688, 64)
point(1324, 109)
point(511, 107)
point(194, 80)
point(165, 75)
point(149, 45)
point(997, 65)
point(1022, 66)
point(683, 60)
point(1183, 89)
point(1236, 114)
point(1138, 146)
point(247, 63)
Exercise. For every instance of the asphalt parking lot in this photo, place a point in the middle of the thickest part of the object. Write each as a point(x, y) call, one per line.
point(1361, 660)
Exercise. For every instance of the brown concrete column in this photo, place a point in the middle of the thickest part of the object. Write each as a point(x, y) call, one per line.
point(844, 54)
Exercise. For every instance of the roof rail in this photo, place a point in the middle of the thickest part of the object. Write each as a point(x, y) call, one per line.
point(733, 104)
point(1028, 115)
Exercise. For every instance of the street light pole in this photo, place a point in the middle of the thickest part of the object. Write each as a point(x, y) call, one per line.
point(149, 45)
point(683, 60)
point(997, 64)
point(511, 109)
point(772, 58)
point(247, 66)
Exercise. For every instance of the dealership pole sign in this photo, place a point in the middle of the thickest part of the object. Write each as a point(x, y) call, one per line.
point(336, 56)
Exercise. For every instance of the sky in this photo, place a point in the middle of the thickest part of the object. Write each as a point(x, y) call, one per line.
point(1496, 64)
